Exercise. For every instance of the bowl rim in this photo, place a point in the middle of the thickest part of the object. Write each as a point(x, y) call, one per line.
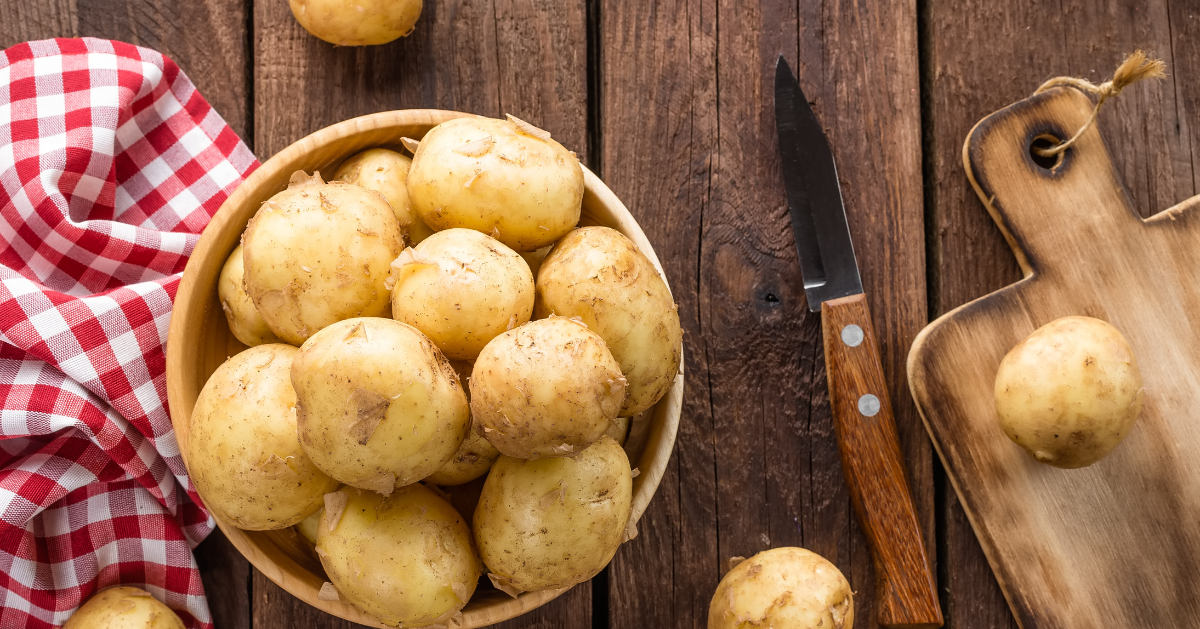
point(281, 165)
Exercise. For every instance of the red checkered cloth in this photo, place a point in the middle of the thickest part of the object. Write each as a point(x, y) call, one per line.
point(110, 165)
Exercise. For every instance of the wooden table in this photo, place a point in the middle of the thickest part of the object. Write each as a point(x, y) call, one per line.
point(669, 101)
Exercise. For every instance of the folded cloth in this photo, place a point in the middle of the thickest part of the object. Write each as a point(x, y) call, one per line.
point(110, 165)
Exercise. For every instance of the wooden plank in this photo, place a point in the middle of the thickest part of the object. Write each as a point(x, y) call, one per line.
point(209, 41)
point(525, 57)
point(756, 464)
point(1147, 129)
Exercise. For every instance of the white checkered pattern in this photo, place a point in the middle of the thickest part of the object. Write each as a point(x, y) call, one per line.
point(110, 165)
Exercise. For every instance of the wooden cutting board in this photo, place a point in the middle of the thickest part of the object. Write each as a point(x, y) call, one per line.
point(1117, 544)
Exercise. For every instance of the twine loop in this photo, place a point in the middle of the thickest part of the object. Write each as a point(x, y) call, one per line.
point(1134, 68)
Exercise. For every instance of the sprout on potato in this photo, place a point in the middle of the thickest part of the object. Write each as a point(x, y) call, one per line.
point(244, 320)
point(407, 559)
point(379, 406)
point(505, 178)
point(358, 23)
point(783, 587)
point(1070, 392)
point(386, 172)
point(547, 388)
point(319, 253)
point(553, 522)
point(121, 607)
point(242, 450)
point(598, 274)
point(461, 288)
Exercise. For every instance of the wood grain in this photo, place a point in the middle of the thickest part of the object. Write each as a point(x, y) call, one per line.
point(1017, 46)
point(756, 464)
point(1070, 547)
point(871, 461)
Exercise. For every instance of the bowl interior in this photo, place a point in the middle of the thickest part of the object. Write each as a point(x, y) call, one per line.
point(200, 340)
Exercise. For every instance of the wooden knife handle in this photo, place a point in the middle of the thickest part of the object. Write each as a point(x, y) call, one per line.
point(874, 466)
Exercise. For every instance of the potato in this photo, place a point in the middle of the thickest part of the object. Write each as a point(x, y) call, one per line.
point(554, 522)
point(357, 22)
point(505, 178)
point(473, 459)
point(534, 258)
point(318, 253)
point(307, 528)
point(547, 388)
point(244, 320)
point(787, 588)
point(461, 288)
point(242, 450)
point(1070, 392)
point(123, 608)
point(407, 558)
point(598, 274)
point(386, 172)
point(619, 430)
point(379, 406)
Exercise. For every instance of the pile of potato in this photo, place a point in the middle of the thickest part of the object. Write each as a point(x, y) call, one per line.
point(368, 301)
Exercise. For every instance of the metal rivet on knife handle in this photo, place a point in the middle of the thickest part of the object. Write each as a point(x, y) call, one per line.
point(868, 405)
point(852, 335)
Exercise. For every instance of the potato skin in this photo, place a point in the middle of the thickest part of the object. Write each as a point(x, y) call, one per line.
point(787, 588)
point(379, 406)
point(461, 288)
point(1070, 392)
point(407, 558)
point(123, 608)
point(551, 523)
point(242, 450)
point(244, 320)
point(547, 388)
point(357, 22)
point(525, 191)
point(386, 172)
point(598, 274)
point(473, 459)
point(318, 253)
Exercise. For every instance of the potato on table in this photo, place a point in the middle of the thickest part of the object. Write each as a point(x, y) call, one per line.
point(461, 288)
point(244, 320)
point(357, 22)
point(318, 253)
point(407, 559)
point(1070, 392)
point(547, 388)
point(386, 172)
point(242, 451)
point(785, 588)
point(598, 274)
point(505, 178)
point(123, 608)
point(379, 406)
point(553, 522)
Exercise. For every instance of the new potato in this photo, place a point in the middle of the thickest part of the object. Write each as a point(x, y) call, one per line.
point(123, 608)
point(242, 450)
point(357, 22)
point(547, 388)
point(1070, 392)
point(785, 588)
point(318, 253)
point(379, 406)
point(386, 172)
point(505, 178)
point(554, 522)
point(244, 320)
point(461, 288)
point(405, 559)
point(598, 274)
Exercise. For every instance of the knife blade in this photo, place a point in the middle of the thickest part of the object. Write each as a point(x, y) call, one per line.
point(858, 396)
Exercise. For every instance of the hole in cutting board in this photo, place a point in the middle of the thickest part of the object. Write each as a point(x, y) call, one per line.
point(1046, 162)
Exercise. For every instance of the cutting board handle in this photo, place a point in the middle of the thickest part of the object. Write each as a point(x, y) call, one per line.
point(874, 466)
point(1079, 190)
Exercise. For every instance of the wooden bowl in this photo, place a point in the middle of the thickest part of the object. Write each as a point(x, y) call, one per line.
point(200, 340)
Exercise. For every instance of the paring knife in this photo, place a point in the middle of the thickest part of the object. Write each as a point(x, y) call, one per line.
point(862, 412)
